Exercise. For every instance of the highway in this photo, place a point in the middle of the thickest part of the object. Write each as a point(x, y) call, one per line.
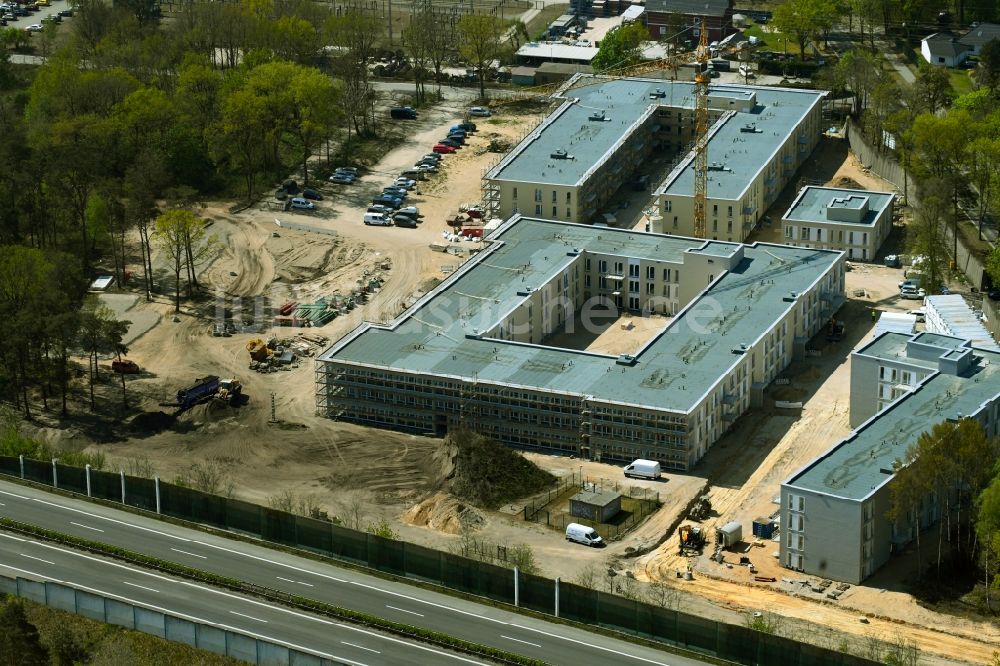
point(486, 625)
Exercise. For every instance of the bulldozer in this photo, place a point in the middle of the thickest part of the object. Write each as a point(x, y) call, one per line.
point(701, 510)
point(692, 539)
point(229, 391)
point(258, 349)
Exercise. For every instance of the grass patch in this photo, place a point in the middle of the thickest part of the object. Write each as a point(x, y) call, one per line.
point(538, 24)
point(489, 474)
point(961, 81)
point(771, 40)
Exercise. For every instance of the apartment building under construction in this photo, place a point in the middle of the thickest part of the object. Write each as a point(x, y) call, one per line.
point(484, 348)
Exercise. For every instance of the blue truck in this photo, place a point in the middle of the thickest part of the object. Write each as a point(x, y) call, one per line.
point(202, 388)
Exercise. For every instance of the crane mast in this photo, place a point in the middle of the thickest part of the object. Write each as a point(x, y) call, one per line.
point(701, 79)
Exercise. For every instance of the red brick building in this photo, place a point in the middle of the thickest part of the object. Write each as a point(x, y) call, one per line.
point(665, 17)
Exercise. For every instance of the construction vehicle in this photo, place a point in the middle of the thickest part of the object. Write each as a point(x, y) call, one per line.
point(692, 540)
point(123, 366)
point(230, 391)
point(203, 388)
point(835, 331)
point(701, 510)
point(258, 349)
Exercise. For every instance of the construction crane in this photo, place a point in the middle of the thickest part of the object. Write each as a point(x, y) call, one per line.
point(701, 78)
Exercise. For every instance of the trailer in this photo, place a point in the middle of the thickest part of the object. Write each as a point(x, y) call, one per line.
point(201, 389)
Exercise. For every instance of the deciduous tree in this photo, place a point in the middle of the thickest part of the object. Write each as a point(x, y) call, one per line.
point(480, 38)
point(621, 47)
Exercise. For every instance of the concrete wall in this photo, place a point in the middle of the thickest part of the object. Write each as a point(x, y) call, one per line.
point(822, 535)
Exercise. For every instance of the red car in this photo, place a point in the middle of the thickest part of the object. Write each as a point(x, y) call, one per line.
point(442, 148)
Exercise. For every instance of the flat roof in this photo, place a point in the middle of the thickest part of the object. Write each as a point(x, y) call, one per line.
point(960, 320)
point(859, 464)
point(626, 102)
point(673, 371)
point(557, 51)
point(596, 497)
point(811, 204)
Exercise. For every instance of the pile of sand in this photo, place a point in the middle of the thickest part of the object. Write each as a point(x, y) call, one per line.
point(444, 513)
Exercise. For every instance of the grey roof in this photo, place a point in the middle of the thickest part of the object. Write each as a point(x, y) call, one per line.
point(626, 104)
point(958, 319)
point(811, 204)
point(595, 497)
point(944, 44)
point(981, 34)
point(672, 372)
point(861, 463)
point(557, 51)
point(689, 7)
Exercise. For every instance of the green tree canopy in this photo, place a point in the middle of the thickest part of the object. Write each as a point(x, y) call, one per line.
point(621, 47)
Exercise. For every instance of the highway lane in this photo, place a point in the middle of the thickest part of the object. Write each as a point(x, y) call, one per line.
point(27, 558)
point(551, 642)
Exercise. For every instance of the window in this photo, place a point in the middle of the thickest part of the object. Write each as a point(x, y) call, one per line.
point(569, 197)
point(604, 282)
point(587, 264)
point(633, 286)
point(650, 288)
point(538, 210)
point(730, 226)
point(715, 209)
point(633, 270)
point(586, 280)
point(553, 196)
point(514, 196)
point(715, 225)
point(730, 213)
point(555, 211)
point(667, 206)
point(650, 273)
point(819, 235)
point(666, 275)
point(569, 213)
point(603, 266)
point(804, 233)
point(538, 195)
point(618, 268)
point(675, 221)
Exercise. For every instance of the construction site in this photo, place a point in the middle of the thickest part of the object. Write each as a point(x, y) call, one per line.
point(284, 293)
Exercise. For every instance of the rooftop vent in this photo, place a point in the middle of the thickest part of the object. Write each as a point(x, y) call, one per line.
point(659, 93)
point(741, 349)
point(626, 359)
point(598, 116)
point(884, 470)
point(791, 296)
point(560, 155)
point(751, 128)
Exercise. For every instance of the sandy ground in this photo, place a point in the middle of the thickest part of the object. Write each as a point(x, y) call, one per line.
point(361, 474)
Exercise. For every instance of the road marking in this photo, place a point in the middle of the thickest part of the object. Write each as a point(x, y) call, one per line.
point(287, 580)
point(30, 573)
point(2, 504)
point(4, 492)
point(412, 645)
point(264, 559)
point(85, 526)
point(518, 640)
point(100, 517)
point(339, 660)
point(360, 647)
point(249, 617)
point(11, 536)
point(141, 587)
point(428, 603)
point(177, 550)
point(403, 610)
point(32, 557)
point(299, 582)
point(591, 645)
point(306, 584)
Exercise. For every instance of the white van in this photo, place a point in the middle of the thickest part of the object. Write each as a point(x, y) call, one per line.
point(583, 534)
point(377, 219)
point(643, 469)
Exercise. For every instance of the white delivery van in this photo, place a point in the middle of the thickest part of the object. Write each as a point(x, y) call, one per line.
point(643, 469)
point(377, 219)
point(583, 534)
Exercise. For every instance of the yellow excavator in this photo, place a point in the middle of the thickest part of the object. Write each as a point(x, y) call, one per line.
point(258, 349)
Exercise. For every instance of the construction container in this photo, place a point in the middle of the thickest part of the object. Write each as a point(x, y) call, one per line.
point(763, 528)
point(729, 534)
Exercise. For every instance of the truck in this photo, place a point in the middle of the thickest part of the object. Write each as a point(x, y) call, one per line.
point(201, 389)
point(643, 469)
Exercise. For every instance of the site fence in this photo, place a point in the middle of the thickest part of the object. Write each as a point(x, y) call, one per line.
point(171, 627)
point(553, 597)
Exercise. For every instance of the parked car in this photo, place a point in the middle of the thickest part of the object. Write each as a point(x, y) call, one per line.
point(919, 313)
point(467, 126)
point(457, 130)
point(893, 261)
point(379, 208)
point(377, 220)
point(403, 113)
point(342, 178)
point(66, 12)
point(911, 292)
point(9, 17)
point(302, 204)
point(387, 200)
point(423, 167)
point(434, 157)
point(443, 148)
point(310, 193)
point(404, 221)
point(280, 195)
point(451, 143)
point(480, 112)
point(411, 211)
point(406, 183)
point(994, 294)
point(397, 192)
point(349, 170)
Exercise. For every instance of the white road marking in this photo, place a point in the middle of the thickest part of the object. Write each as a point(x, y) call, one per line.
point(287, 580)
point(277, 564)
point(30, 573)
point(412, 645)
point(177, 550)
point(306, 584)
point(428, 603)
point(591, 645)
point(4, 492)
point(2, 504)
point(141, 587)
point(518, 640)
point(11, 536)
point(249, 617)
point(86, 526)
point(403, 610)
point(100, 517)
point(360, 647)
point(339, 660)
point(32, 557)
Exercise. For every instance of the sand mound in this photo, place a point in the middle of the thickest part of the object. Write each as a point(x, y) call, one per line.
point(444, 513)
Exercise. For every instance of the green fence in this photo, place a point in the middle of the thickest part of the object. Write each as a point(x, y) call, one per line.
point(732, 642)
